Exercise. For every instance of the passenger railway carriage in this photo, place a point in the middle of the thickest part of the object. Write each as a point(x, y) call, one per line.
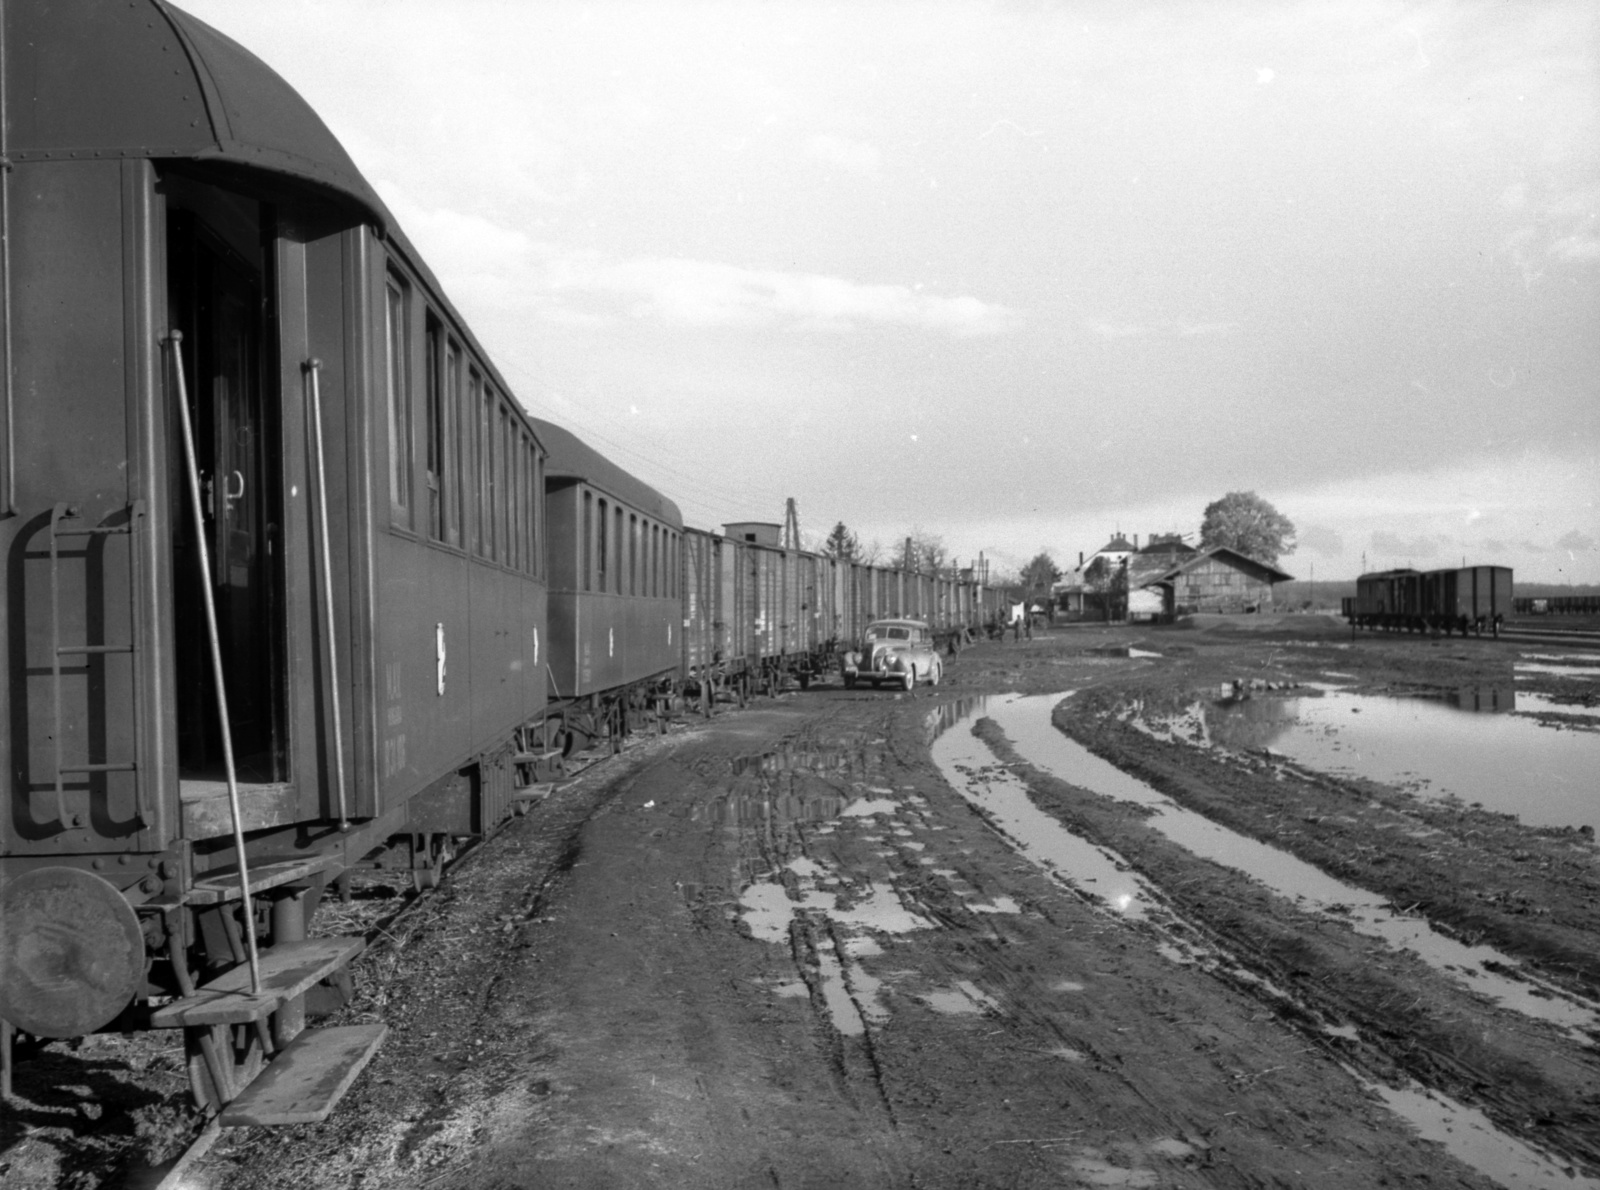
point(206, 305)
point(291, 581)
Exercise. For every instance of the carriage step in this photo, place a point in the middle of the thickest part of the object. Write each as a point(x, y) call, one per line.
point(220, 887)
point(304, 1083)
point(287, 970)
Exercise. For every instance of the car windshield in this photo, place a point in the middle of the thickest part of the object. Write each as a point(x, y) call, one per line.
point(890, 632)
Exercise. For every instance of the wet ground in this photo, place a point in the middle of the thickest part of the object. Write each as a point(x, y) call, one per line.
point(1175, 907)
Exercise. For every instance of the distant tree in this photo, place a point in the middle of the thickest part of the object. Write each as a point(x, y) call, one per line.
point(871, 554)
point(1039, 574)
point(1108, 585)
point(1245, 522)
point(919, 550)
point(842, 544)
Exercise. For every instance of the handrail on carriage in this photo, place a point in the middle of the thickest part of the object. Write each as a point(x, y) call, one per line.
point(192, 467)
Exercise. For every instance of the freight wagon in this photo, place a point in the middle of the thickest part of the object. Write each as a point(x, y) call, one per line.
point(1458, 599)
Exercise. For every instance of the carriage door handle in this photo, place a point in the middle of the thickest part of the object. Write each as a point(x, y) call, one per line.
point(229, 495)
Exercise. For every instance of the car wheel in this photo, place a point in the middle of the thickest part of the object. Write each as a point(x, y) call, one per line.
point(935, 673)
point(911, 678)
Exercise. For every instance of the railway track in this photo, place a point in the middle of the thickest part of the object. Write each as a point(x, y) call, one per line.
point(1581, 638)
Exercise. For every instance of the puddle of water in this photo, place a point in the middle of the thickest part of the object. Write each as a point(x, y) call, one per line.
point(966, 999)
point(1000, 904)
point(1539, 703)
point(1026, 722)
point(1467, 1134)
point(973, 772)
point(1508, 763)
point(1569, 671)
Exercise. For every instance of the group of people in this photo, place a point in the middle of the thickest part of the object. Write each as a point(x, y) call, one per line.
point(1020, 618)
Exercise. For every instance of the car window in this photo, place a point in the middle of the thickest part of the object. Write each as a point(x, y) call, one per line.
point(899, 634)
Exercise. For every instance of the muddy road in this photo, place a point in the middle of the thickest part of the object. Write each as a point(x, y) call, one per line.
point(851, 938)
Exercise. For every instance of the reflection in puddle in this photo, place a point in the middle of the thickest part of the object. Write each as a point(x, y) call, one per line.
point(1506, 762)
point(1481, 699)
point(1027, 725)
point(1539, 704)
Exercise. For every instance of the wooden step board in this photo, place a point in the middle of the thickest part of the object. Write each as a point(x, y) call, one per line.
point(287, 970)
point(303, 1084)
point(224, 886)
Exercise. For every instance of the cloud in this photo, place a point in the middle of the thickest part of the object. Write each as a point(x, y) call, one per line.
point(1320, 539)
point(854, 155)
point(710, 294)
point(1391, 545)
point(1576, 542)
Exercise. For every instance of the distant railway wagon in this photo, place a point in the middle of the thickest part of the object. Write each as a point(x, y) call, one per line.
point(1458, 599)
point(1558, 605)
point(616, 640)
point(292, 583)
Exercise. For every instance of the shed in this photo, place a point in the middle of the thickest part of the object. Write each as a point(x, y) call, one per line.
point(759, 532)
point(1218, 580)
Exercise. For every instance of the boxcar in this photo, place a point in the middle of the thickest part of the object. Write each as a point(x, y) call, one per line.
point(1464, 599)
point(235, 397)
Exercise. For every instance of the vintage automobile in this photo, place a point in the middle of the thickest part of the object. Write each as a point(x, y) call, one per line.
point(900, 652)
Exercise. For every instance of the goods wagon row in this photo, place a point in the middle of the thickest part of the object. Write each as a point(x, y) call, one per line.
point(1459, 599)
point(292, 582)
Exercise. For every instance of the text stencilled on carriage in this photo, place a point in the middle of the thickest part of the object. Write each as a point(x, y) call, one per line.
point(394, 742)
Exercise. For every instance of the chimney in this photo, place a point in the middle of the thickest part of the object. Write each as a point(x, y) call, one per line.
point(1135, 541)
point(1080, 559)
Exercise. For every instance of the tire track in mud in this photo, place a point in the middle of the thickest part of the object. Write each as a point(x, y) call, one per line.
point(1524, 1074)
point(976, 976)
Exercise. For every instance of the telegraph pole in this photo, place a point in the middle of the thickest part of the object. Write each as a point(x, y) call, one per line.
point(791, 525)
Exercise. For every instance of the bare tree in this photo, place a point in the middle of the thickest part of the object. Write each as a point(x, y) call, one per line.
point(921, 551)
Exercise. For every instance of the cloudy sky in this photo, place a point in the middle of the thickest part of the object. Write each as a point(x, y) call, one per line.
point(1019, 274)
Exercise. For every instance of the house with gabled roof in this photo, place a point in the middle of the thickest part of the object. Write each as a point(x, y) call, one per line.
point(1215, 580)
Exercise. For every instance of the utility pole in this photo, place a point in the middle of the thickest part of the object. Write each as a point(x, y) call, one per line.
point(791, 526)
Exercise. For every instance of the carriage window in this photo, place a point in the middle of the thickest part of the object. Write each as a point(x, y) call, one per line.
point(537, 533)
point(633, 555)
point(399, 404)
point(433, 426)
point(472, 402)
point(502, 517)
point(588, 539)
point(603, 554)
point(491, 471)
point(616, 514)
point(454, 447)
point(514, 512)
